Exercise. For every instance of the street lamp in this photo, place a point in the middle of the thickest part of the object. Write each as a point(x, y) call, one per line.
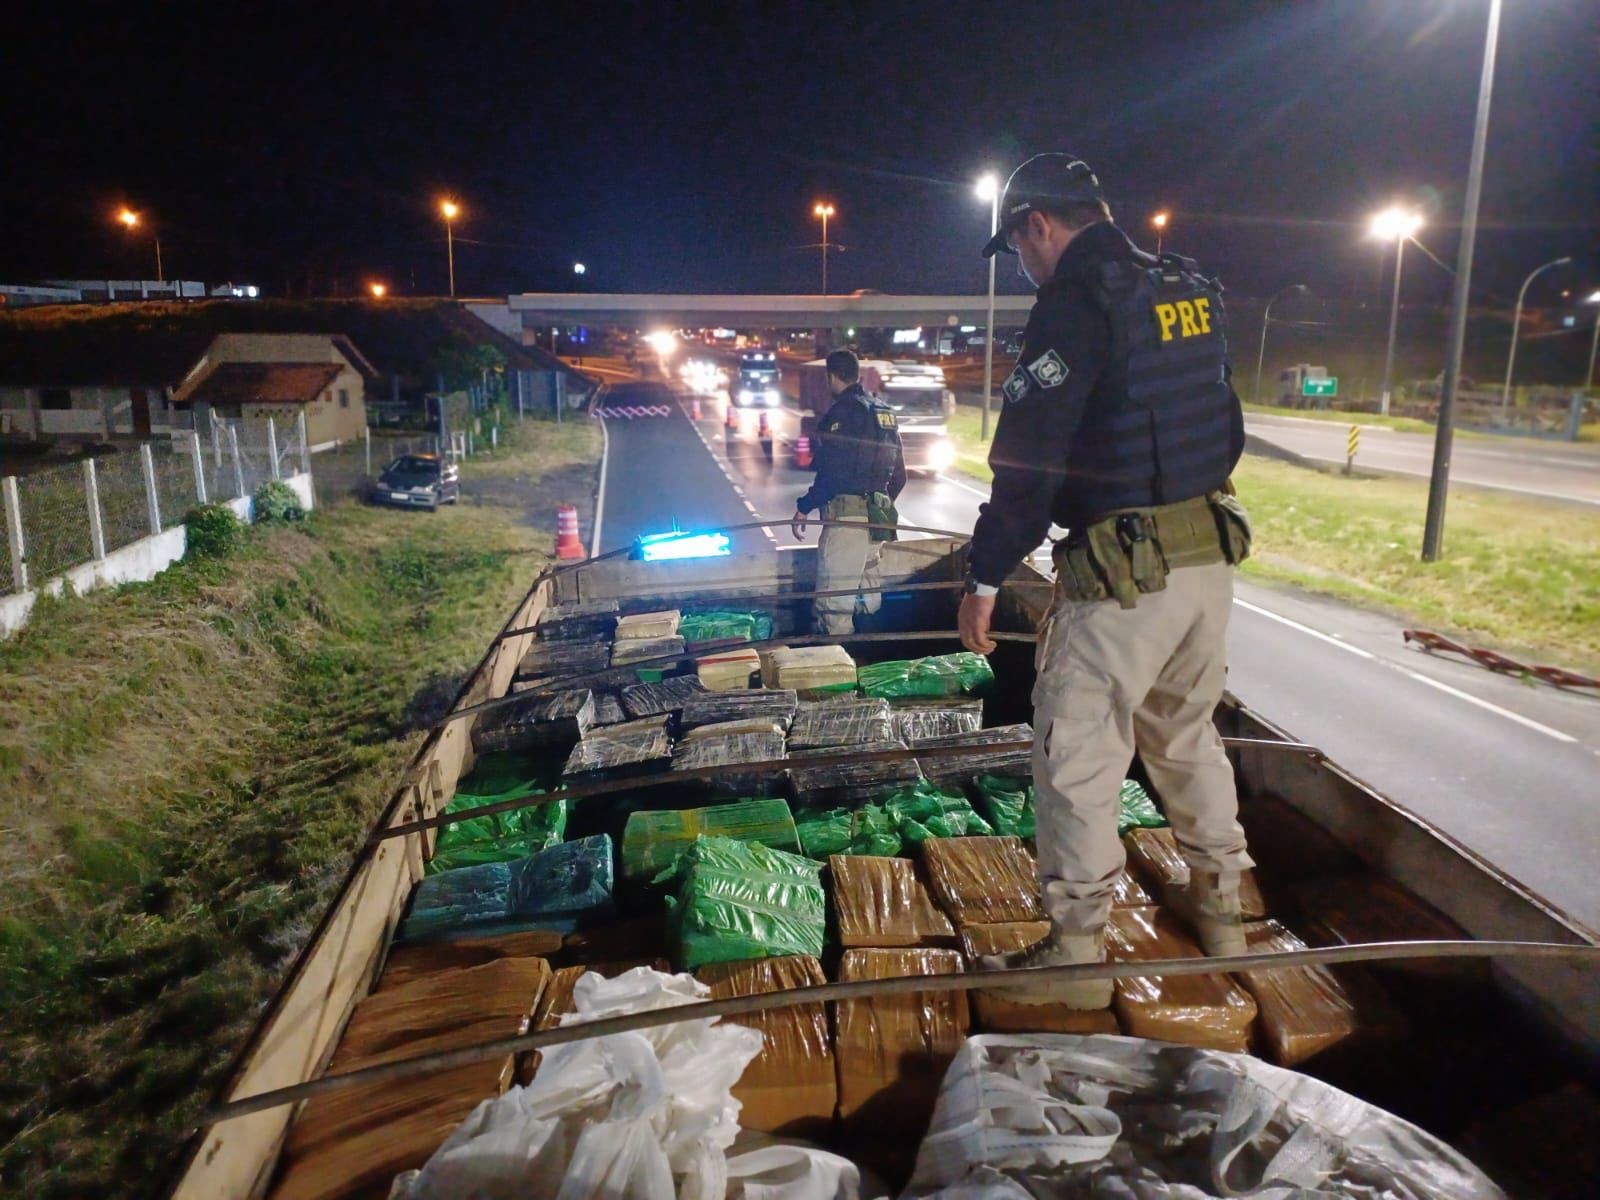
point(824, 211)
point(1400, 225)
point(450, 210)
point(1516, 326)
point(378, 290)
point(1594, 343)
point(1160, 222)
point(1443, 436)
point(579, 269)
point(131, 219)
point(1266, 319)
point(988, 188)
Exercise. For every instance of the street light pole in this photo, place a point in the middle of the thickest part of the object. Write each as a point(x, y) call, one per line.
point(1400, 225)
point(1444, 433)
point(824, 211)
point(989, 189)
point(1266, 319)
point(1516, 326)
point(449, 209)
point(1594, 344)
point(1160, 222)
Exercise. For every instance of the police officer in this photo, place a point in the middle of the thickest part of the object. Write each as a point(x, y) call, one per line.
point(1120, 424)
point(861, 469)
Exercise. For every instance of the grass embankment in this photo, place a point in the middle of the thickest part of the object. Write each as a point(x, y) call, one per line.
point(186, 767)
point(1587, 432)
point(1517, 572)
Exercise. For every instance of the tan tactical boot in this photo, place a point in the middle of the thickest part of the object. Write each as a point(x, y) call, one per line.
point(1058, 949)
point(1211, 909)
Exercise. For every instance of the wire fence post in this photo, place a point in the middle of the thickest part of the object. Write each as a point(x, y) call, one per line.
point(366, 442)
point(272, 445)
point(147, 464)
point(199, 468)
point(14, 538)
point(305, 446)
point(91, 493)
point(238, 464)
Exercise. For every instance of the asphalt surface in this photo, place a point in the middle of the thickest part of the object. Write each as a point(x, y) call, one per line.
point(1511, 771)
point(1556, 470)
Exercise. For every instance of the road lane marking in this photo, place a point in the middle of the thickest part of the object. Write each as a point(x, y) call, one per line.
point(1408, 672)
point(965, 487)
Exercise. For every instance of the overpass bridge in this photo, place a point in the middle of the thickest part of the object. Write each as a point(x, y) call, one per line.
point(871, 310)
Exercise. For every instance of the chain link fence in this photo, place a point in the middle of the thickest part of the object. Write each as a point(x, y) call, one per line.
point(55, 520)
point(348, 470)
point(124, 504)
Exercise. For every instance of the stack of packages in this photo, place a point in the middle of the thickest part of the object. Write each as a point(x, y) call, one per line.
point(496, 837)
point(614, 751)
point(1198, 1010)
point(960, 768)
point(737, 900)
point(854, 726)
point(728, 670)
point(943, 675)
point(724, 625)
point(722, 729)
point(546, 663)
point(557, 889)
point(643, 636)
point(915, 721)
point(755, 711)
point(533, 723)
point(653, 840)
point(354, 1141)
point(812, 671)
point(653, 699)
point(581, 621)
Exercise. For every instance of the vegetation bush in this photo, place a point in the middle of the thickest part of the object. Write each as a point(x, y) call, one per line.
point(275, 503)
point(212, 531)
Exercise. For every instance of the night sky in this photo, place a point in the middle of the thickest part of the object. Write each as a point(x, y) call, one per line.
point(681, 146)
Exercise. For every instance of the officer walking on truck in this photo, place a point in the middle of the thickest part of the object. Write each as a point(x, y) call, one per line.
point(861, 470)
point(1120, 424)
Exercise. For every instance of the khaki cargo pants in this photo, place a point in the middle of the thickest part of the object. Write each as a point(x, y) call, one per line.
point(846, 558)
point(1111, 680)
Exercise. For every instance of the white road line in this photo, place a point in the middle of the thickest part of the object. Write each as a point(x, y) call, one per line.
point(1410, 674)
point(965, 487)
point(600, 500)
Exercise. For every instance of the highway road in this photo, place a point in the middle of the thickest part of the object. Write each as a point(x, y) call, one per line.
point(1511, 771)
point(1556, 470)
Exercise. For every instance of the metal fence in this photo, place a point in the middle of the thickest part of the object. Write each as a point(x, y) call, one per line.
point(60, 517)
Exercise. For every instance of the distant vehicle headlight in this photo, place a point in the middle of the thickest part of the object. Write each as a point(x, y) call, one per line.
point(771, 396)
point(746, 396)
point(941, 455)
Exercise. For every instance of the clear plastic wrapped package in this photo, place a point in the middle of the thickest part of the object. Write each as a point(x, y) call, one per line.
point(534, 722)
point(924, 810)
point(960, 674)
point(867, 829)
point(722, 729)
point(586, 620)
point(550, 661)
point(983, 880)
point(648, 626)
point(844, 722)
point(998, 1013)
point(790, 1088)
point(808, 669)
point(714, 708)
point(728, 753)
point(608, 709)
point(1154, 856)
point(915, 721)
point(725, 625)
point(728, 670)
point(1138, 1119)
point(738, 900)
point(670, 695)
point(558, 888)
point(496, 837)
point(625, 651)
point(1007, 800)
point(851, 781)
point(1127, 893)
point(632, 746)
point(1136, 809)
point(880, 902)
point(968, 766)
point(1197, 1010)
point(652, 841)
point(1306, 1010)
point(893, 1050)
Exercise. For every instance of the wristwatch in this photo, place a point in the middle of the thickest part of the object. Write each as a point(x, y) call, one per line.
point(974, 588)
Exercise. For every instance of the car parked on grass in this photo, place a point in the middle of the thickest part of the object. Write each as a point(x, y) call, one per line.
point(418, 481)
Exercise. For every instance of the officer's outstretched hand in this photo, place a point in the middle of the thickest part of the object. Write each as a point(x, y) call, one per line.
point(797, 524)
point(973, 621)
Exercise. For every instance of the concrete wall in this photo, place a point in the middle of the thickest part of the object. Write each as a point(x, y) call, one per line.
point(95, 412)
point(133, 563)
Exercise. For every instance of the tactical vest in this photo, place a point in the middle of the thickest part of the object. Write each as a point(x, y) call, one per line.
point(1172, 437)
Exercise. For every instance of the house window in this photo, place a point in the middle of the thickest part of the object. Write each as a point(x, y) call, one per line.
point(55, 399)
point(344, 398)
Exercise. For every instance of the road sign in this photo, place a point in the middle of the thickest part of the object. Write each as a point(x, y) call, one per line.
point(1320, 387)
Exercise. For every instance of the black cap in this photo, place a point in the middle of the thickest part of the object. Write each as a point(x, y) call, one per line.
point(1041, 182)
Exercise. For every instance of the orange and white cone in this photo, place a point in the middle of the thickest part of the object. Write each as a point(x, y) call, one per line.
point(765, 431)
point(694, 408)
point(732, 423)
point(567, 543)
point(802, 451)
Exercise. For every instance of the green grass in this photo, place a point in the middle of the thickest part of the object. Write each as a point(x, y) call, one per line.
point(972, 454)
point(1403, 424)
point(1518, 573)
point(186, 767)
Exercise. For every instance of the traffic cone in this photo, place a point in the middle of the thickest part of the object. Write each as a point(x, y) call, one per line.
point(694, 408)
point(567, 543)
point(802, 451)
point(765, 432)
point(732, 423)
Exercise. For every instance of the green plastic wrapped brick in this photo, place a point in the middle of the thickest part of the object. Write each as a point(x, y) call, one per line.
point(652, 841)
point(1138, 810)
point(867, 830)
point(738, 900)
point(961, 674)
point(718, 625)
point(923, 811)
point(501, 836)
point(1009, 803)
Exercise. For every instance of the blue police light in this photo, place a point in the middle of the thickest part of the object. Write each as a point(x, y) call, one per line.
point(675, 544)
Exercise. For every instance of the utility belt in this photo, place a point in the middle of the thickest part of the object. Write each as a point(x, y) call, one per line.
point(1131, 551)
point(875, 507)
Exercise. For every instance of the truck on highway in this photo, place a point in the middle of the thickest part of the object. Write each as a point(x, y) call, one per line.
point(917, 394)
point(757, 384)
point(375, 1048)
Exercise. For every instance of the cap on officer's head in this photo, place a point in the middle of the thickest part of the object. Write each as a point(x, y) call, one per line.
point(1044, 181)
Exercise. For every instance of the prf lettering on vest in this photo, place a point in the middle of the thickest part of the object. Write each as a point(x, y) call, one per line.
point(1192, 317)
